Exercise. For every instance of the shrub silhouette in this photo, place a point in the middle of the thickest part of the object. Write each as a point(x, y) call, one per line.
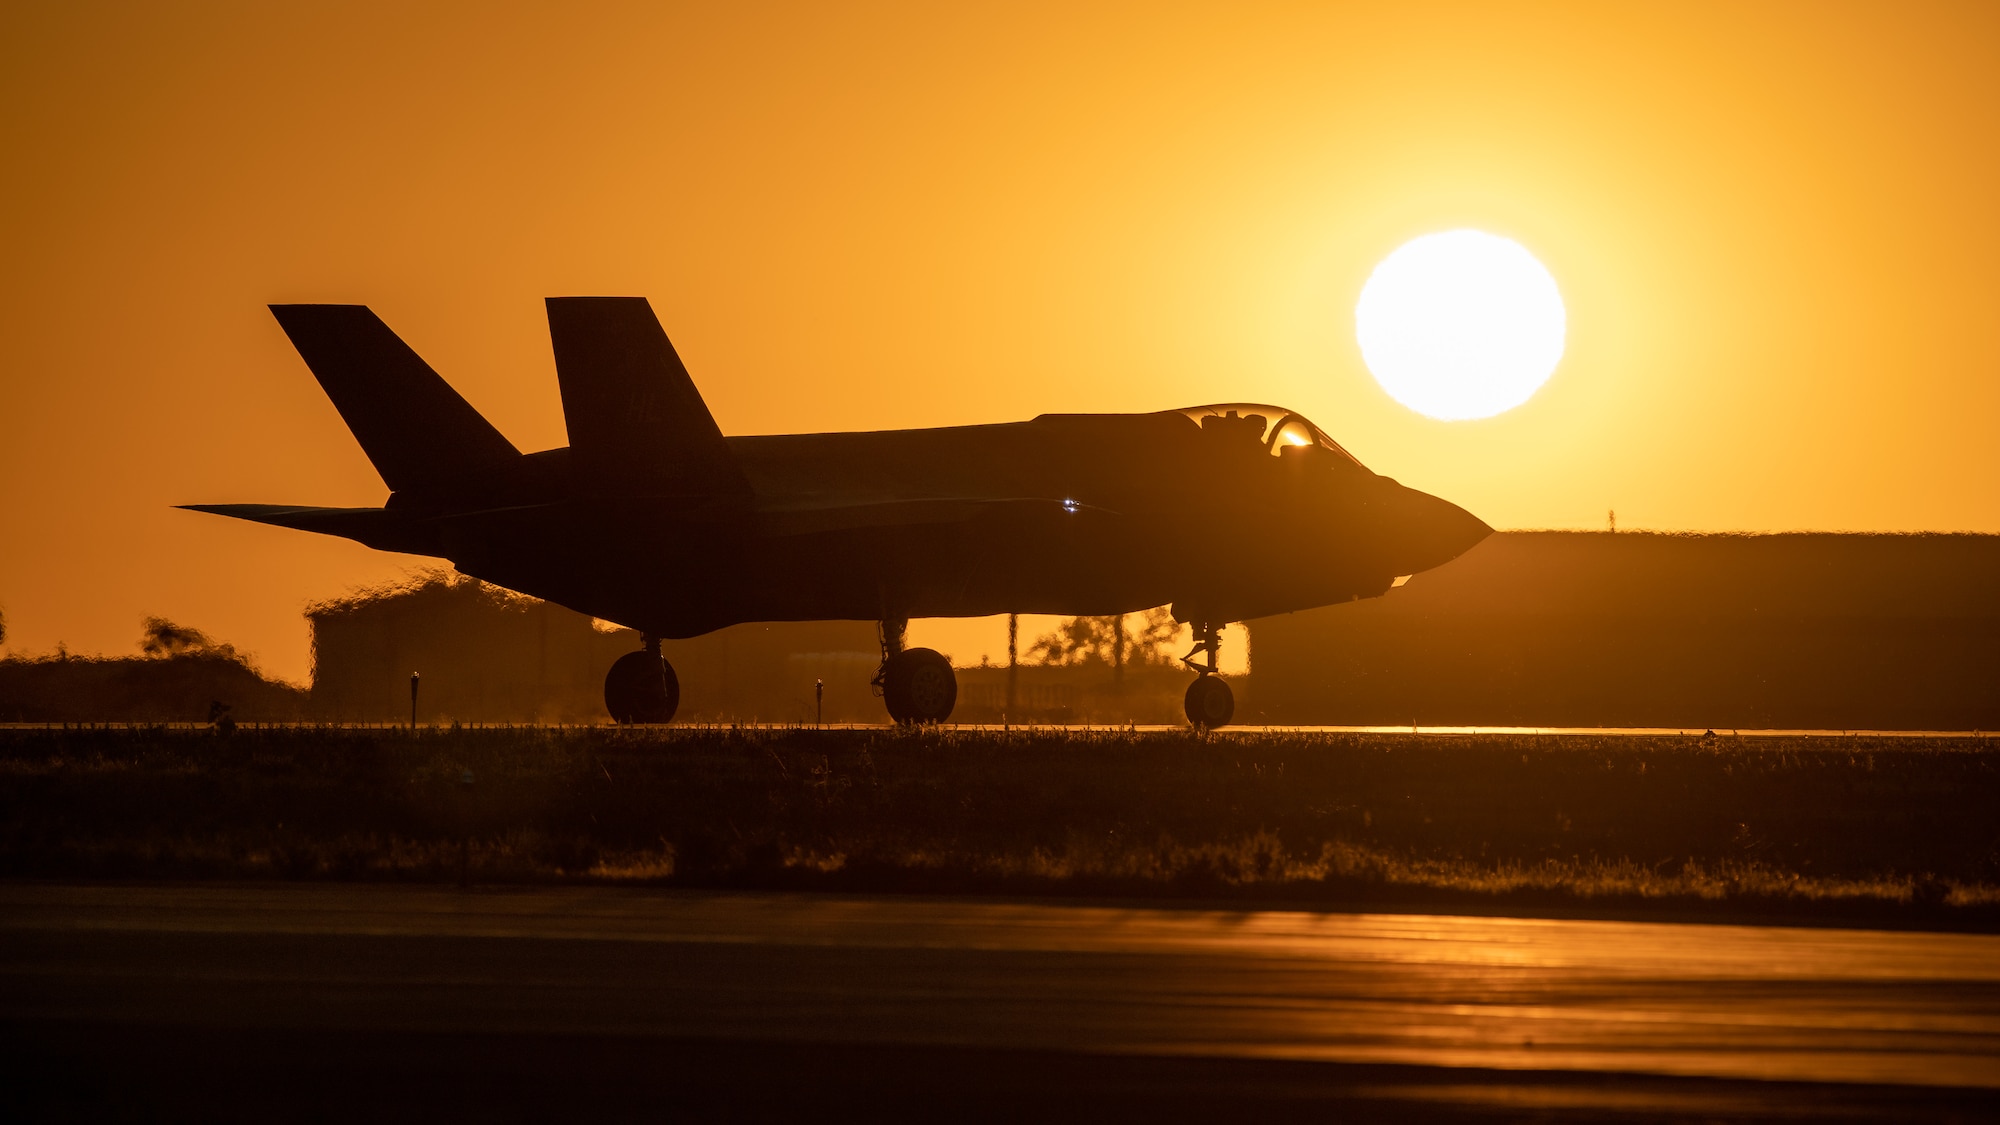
point(163, 638)
point(182, 675)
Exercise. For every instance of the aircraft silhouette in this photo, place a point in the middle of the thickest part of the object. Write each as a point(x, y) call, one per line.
point(651, 518)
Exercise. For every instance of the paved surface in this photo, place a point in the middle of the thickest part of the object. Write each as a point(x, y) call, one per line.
point(1488, 1014)
point(1238, 730)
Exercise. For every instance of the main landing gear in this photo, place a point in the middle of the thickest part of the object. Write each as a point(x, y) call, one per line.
point(641, 687)
point(1209, 703)
point(917, 684)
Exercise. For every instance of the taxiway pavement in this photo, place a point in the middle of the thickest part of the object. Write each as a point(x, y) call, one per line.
point(733, 996)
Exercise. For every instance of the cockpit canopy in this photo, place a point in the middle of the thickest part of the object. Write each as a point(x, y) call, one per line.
point(1273, 427)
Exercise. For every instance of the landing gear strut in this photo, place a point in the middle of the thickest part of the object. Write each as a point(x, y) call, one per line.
point(917, 684)
point(1209, 703)
point(641, 687)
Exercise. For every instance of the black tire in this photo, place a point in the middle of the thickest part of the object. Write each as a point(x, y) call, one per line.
point(1209, 703)
point(919, 686)
point(642, 688)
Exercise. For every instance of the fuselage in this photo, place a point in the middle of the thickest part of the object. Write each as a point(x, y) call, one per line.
point(1063, 514)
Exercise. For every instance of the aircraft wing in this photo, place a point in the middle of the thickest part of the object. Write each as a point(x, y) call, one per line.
point(811, 519)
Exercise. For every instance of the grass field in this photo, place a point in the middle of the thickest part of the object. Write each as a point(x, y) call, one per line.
point(1869, 828)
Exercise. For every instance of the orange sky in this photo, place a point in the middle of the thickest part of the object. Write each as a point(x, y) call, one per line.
point(1774, 227)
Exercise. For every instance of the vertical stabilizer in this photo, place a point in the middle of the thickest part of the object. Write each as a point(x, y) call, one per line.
point(635, 417)
point(416, 430)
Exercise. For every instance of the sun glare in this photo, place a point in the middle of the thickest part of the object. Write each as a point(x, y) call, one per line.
point(1460, 324)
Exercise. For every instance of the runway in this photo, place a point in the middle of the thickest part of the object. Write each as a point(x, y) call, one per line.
point(1484, 1013)
point(1240, 730)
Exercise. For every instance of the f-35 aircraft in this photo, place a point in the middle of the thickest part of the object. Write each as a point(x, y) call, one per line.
point(651, 518)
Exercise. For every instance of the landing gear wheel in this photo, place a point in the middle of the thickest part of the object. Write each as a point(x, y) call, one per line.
point(642, 688)
point(1209, 703)
point(919, 686)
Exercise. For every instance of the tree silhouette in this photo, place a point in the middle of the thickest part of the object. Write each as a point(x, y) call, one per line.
point(1077, 640)
point(165, 640)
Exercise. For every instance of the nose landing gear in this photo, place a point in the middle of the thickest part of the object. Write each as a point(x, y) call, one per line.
point(1209, 703)
point(917, 684)
point(641, 687)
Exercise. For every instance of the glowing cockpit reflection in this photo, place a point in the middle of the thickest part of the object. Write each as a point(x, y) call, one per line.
point(1274, 427)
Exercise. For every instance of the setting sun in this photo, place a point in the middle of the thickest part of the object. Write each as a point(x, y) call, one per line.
point(1460, 325)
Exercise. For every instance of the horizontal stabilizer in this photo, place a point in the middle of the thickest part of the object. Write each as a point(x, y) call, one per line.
point(416, 430)
point(635, 417)
point(379, 528)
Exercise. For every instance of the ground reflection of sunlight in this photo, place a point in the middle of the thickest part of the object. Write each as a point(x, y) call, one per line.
point(1727, 1001)
point(1747, 1002)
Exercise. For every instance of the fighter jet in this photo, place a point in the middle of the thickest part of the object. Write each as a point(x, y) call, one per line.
point(653, 519)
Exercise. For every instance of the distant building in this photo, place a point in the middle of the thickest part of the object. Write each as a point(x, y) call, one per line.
point(1640, 629)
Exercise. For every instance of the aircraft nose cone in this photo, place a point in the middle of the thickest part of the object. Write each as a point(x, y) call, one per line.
point(1432, 531)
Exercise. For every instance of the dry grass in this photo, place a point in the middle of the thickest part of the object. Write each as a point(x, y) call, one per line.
point(1878, 827)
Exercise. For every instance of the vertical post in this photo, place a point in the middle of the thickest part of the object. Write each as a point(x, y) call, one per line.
point(1118, 653)
point(819, 703)
point(1612, 515)
point(413, 701)
point(1013, 665)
